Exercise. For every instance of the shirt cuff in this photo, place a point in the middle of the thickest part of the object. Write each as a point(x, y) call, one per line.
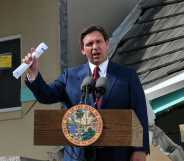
point(29, 78)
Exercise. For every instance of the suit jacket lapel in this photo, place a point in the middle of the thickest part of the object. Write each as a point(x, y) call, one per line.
point(84, 72)
point(111, 79)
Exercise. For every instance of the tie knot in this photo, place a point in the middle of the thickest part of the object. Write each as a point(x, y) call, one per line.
point(96, 74)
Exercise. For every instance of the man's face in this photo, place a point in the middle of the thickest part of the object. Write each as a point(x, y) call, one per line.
point(95, 47)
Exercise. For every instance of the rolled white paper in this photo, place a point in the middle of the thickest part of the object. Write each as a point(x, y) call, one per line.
point(40, 49)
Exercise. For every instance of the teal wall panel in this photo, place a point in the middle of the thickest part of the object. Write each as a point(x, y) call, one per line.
point(27, 95)
point(168, 101)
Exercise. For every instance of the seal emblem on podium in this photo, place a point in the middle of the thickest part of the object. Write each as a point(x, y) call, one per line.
point(82, 125)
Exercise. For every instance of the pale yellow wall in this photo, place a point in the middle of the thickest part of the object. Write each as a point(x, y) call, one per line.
point(35, 21)
point(16, 135)
point(81, 13)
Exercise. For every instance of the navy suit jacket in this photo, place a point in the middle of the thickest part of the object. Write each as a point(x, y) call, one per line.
point(123, 90)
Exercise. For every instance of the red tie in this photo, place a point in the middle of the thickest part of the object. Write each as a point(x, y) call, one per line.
point(96, 74)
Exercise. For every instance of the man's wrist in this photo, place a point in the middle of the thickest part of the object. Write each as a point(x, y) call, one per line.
point(31, 76)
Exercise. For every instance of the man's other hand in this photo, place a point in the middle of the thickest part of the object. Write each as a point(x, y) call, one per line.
point(138, 156)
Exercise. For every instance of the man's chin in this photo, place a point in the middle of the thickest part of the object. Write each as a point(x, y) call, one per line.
point(96, 62)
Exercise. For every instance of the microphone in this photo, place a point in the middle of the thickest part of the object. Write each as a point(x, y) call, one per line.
point(87, 87)
point(100, 89)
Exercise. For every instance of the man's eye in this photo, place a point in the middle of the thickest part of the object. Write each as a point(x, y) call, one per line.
point(99, 41)
point(89, 44)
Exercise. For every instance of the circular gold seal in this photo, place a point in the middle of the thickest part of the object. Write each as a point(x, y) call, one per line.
point(82, 125)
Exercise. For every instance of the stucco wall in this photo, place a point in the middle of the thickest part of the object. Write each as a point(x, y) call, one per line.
point(16, 135)
point(35, 21)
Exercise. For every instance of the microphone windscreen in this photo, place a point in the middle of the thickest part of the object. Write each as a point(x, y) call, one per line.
point(100, 87)
point(101, 82)
point(87, 81)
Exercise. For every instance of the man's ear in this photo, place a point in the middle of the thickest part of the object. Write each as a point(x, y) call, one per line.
point(107, 43)
point(82, 51)
point(83, 54)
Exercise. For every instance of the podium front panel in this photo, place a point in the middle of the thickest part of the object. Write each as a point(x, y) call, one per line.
point(121, 128)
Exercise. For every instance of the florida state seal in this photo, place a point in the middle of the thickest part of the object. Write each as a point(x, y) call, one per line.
point(82, 125)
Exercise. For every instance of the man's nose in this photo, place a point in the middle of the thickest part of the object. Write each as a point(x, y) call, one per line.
point(95, 46)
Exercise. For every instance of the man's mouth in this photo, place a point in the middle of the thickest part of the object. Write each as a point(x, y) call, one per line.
point(96, 54)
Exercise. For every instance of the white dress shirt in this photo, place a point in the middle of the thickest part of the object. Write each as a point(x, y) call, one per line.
point(103, 68)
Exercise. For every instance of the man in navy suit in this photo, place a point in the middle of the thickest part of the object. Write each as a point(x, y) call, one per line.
point(123, 90)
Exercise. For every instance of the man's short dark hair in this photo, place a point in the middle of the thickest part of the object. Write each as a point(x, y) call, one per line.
point(91, 29)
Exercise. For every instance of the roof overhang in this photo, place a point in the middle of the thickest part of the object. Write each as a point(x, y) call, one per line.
point(166, 94)
point(173, 84)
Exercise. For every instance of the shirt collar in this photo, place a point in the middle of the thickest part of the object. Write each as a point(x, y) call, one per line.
point(102, 66)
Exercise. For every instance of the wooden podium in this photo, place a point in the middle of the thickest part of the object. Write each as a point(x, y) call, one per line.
point(121, 128)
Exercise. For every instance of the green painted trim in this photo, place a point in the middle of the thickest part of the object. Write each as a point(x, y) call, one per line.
point(168, 101)
point(27, 95)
